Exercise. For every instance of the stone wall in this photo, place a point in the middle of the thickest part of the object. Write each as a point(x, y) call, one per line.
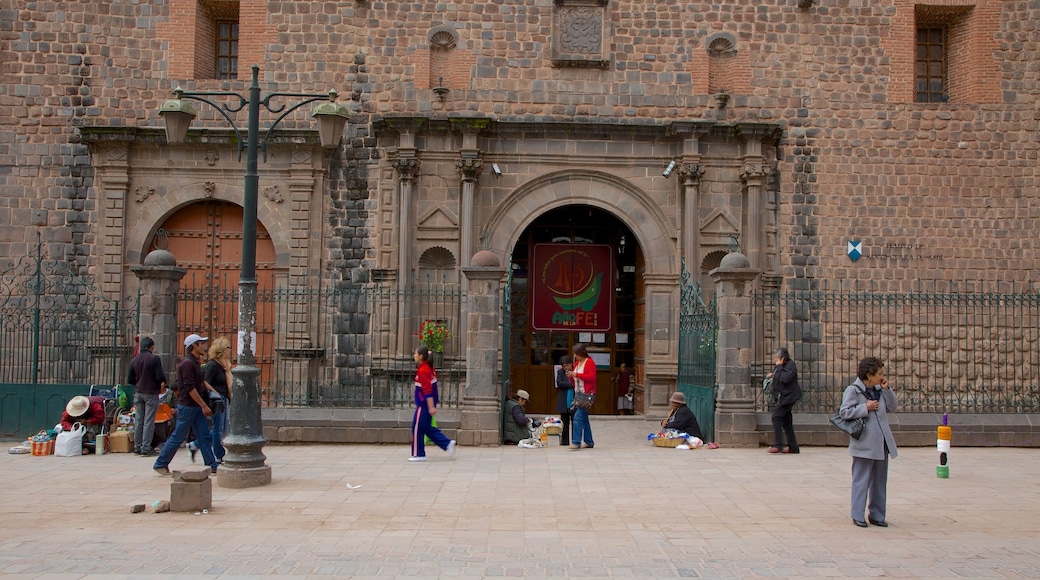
point(859, 161)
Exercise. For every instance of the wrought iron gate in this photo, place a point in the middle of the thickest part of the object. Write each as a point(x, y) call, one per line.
point(58, 336)
point(698, 328)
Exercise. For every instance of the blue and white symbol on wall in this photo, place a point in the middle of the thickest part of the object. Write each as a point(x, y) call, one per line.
point(855, 249)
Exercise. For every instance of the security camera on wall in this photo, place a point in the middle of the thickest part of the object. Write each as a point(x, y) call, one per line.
point(668, 170)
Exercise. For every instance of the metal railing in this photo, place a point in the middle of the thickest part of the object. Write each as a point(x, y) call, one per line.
point(965, 352)
point(56, 328)
point(343, 347)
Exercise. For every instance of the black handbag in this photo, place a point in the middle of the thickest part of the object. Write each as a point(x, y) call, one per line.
point(852, 427)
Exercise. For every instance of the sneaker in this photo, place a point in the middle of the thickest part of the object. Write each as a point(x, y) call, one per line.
point(164, 471)
point(137, 451)
point(213, 469)
point(451, 448)
point(193, 448)
point(423, 458)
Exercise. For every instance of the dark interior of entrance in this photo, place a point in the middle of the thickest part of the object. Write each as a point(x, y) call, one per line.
point(533, 354)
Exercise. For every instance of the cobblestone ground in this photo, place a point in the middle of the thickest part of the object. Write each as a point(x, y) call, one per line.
point(624, 509)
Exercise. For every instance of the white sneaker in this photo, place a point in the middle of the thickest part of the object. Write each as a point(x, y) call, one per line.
point(417, 458)
point(451, 448)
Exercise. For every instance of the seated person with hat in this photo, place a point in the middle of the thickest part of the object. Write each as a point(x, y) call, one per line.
point(516, 426)
point(88, 412)
point(681, 418)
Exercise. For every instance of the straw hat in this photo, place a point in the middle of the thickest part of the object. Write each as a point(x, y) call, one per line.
point(77, 406)
point(677, 397)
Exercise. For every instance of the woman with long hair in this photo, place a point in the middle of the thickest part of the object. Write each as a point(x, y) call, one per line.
point(426, 400)
point(218, 377)
point(583, 375)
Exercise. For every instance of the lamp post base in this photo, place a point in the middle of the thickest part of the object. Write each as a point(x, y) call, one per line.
point(239, 478)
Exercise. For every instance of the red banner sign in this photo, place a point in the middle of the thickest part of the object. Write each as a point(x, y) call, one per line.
point(572, 287)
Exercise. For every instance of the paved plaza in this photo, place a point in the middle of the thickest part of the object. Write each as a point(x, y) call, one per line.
point(624, 509)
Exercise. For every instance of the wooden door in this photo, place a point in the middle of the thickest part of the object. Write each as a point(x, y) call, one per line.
point(206, 238)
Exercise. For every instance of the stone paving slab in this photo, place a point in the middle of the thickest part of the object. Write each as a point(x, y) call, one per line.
point(624, 509)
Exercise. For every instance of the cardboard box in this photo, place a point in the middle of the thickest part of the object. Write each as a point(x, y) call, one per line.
point(121, 442)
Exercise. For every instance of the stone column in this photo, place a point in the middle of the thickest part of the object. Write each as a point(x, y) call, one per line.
point(407, 167)
point(469, 170)
point(735, 423)
point(691, 178)
point(480, 401)
point(160, 280)
point(754, 175)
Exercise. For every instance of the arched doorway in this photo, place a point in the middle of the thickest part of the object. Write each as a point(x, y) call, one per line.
point(534, 352)
point(206, 239)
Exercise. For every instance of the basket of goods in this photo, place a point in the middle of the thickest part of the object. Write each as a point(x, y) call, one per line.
point(42, 443)
point(668, 438)
point(552, 426)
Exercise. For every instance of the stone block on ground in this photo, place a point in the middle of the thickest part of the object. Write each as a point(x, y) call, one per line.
point(191, 496)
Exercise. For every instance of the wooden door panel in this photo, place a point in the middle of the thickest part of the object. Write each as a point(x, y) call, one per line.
point(206, 239)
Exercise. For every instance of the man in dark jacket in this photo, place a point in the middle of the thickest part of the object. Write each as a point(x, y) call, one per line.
point(192, 410)
point(516, 426)
point(147, 376)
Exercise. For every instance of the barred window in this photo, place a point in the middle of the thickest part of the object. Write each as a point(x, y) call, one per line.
point(227, 49)
point(931, 65)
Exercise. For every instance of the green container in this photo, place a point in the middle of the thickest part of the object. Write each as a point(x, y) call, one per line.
point(942, 471)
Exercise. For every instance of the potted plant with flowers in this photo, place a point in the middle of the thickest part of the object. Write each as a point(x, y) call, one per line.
point(433, 333)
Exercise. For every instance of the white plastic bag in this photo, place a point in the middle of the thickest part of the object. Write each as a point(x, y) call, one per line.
point(70, 443)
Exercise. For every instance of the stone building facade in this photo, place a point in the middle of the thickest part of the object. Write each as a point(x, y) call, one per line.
point(789, 128)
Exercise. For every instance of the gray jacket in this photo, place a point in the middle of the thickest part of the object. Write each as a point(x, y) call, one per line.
point(876, 432)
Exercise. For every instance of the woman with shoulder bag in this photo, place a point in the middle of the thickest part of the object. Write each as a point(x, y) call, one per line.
point(787, 392)
point(584, 377)
point(870, 397)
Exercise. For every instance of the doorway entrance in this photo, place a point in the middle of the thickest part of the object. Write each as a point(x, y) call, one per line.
point(206, 239)
point(534, 353)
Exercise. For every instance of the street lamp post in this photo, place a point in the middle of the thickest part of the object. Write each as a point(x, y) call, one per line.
point(244, 463)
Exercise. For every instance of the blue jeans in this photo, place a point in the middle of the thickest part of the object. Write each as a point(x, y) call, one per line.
point(187, 418)
point(217, 434)
point(581, 430)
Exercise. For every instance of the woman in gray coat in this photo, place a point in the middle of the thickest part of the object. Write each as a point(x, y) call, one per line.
point(871, 398)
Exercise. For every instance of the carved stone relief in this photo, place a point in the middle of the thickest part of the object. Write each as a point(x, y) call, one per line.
point(273, 193)
point(580, 34)
point(142, 193)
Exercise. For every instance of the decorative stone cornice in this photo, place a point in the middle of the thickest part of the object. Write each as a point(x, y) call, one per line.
point(754, 172)
point(407, 167)
point(691, 173)
point(469, 169)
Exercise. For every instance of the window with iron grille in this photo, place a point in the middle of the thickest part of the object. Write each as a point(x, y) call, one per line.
point(227, 49)
point(931, 65)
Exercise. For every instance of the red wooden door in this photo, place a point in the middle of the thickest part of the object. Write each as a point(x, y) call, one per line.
point(206, 238)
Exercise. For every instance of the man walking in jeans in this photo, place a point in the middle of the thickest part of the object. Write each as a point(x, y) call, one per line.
point(147, 376)
point(192, 410)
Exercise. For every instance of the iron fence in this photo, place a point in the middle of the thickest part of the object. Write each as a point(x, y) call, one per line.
point(338, 347)
point(56, 328)
point(964, 352)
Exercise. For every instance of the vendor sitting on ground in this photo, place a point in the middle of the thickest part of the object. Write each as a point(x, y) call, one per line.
point(681, 417)
point(88, 412)
point(516, 426)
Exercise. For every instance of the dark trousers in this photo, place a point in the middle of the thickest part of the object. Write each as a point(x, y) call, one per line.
point(565, 436)
point(422, 427)
point(783, 424)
